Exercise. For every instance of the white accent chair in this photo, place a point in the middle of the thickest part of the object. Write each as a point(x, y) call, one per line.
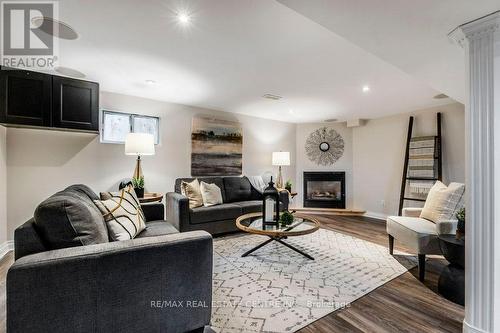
point(418, 234)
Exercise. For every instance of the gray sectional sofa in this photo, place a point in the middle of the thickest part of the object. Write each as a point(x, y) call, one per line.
point(238, 195)
point(68, 277)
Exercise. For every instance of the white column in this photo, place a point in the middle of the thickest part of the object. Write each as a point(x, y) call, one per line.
point(481, 41)
point(496, 107)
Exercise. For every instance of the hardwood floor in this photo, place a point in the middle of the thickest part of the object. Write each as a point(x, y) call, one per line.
point(401, 305)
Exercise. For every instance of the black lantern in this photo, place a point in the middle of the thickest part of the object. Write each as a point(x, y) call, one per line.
point(270, 205)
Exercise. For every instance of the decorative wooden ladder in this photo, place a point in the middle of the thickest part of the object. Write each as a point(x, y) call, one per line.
point(423, 163)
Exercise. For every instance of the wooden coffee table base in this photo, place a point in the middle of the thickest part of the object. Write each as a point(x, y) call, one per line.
point(279, 240)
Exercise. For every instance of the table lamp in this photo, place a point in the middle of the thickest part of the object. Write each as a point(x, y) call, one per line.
point(139, 144)
point(281, 158)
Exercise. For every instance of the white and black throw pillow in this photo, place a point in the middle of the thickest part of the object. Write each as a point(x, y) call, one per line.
point(122, 213)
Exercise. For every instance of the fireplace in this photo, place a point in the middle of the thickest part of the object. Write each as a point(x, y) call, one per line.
point(324, 189)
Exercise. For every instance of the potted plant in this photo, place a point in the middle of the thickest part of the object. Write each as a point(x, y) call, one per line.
point(288, 185)
point(138, 184)
point(460, 234)
point(286, 218)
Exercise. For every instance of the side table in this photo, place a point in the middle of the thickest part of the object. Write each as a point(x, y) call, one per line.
point(452, 279)
point(152, 197)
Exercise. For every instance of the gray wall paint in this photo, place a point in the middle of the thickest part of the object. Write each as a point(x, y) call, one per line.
point(379, 155)
point(343, 164)
point(42, 162)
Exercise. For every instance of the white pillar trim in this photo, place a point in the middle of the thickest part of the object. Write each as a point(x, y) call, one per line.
point(476, 29)
point(478, 38)
point(471, 329)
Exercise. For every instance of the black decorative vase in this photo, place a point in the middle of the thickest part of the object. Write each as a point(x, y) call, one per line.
point(139, 192)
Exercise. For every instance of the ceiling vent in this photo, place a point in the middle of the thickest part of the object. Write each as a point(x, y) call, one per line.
point(440, 96)
point(272, 97)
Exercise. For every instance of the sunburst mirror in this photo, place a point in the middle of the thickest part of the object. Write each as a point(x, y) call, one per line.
point(324, 146)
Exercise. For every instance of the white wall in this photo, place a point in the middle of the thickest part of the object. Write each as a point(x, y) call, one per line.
point(379, 155)
point(343, 164)
point(41, 162)
point(3, 185)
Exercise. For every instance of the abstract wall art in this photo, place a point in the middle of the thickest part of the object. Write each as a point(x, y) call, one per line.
point(216, 147)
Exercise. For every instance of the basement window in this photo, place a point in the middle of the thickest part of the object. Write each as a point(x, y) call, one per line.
point(116, 125)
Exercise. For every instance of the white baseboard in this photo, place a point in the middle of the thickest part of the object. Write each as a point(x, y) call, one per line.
point(5, 248)
point(374, 215)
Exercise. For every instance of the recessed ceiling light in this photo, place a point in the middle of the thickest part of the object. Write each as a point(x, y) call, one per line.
point(440, 96)
point(366, 89)
point(66, 71)
point(150, 82)
point(54, 27)
point(183, 18)
point(271, 96)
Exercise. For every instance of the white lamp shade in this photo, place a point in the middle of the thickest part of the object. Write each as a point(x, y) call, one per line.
point(281, 158)
point(139, 144)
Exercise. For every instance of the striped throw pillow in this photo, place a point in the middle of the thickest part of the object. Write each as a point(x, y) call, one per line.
point(122, 213)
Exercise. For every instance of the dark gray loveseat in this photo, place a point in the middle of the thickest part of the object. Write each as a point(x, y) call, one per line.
point(68, 277)
point(238, 195)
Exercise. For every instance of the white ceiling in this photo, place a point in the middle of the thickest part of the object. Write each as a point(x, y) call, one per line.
point(411, 35)
point(235, 51)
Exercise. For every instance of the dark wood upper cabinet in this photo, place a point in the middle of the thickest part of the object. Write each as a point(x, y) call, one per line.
point(25, 98)
point(75, 104)
point(36, 99)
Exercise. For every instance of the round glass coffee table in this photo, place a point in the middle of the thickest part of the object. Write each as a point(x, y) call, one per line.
point(302, 225)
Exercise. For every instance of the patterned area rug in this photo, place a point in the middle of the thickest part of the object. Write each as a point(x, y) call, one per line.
point(277, 290)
